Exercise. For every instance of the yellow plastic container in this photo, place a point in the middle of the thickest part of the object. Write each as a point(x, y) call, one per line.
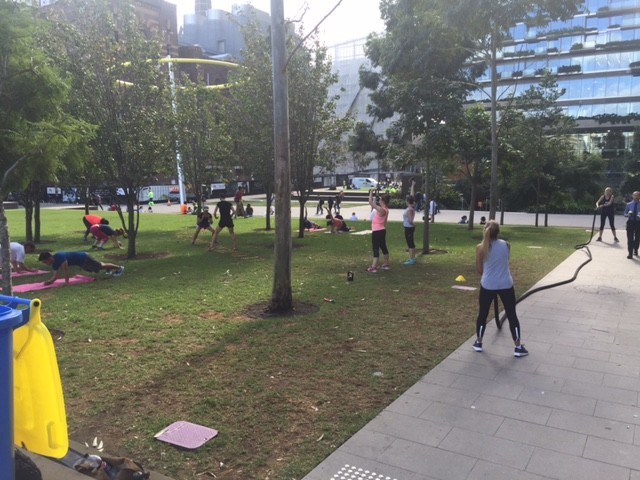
point(40, 420)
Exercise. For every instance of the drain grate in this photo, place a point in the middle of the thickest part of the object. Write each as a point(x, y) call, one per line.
point(350, 472)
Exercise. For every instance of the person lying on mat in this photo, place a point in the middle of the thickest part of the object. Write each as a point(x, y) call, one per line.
point(17, 255)
point(83, 260)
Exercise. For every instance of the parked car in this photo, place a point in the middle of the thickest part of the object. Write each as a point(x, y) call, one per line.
point(363, 182)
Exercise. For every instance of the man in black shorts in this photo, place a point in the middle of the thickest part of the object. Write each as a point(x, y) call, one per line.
point(64, 260)
point(226, 220)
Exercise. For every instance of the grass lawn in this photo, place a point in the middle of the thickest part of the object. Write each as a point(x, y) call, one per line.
point(179, 337)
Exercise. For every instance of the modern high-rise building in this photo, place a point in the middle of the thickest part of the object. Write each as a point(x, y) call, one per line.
point(595, 56)
point(202, 6)
point(219, 33)
point(596, 59)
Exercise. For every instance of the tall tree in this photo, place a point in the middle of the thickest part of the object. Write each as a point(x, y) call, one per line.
point(486, 24)
point(471, 139)
point(203, 136)
point(543, 133)
point(121, 88)
point(315, 131)
point(281, 293)
point(35, 132)
point(361, 142)
point(419, 74)
point(251, 111)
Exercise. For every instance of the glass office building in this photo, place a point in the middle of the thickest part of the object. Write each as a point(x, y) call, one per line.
point(596, 57)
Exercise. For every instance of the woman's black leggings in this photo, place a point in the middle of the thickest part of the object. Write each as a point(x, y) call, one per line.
point(603, 218)
point(379, 242)
point(508, 297)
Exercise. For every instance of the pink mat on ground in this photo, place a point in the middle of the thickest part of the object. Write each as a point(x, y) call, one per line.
point(34, 287)
point(26, 274)
point(186, 434)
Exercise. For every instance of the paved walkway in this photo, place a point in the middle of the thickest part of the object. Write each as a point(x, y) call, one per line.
point(567, 411)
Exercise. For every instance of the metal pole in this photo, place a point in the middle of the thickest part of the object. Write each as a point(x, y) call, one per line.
point(174, 107)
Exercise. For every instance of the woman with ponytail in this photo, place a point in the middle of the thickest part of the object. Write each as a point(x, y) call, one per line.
point(492, 262)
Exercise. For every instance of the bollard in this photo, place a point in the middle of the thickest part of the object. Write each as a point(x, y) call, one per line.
point(10, 318)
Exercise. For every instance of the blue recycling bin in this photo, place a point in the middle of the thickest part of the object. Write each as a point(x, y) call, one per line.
point(10, 319)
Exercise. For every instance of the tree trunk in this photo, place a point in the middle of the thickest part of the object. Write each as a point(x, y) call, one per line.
point(269, 194)
point(133, 219)
point(493, 187)
point(37, 197)
point(426, 247)
point(303, 215)
point(5, 252)
point(472, 207)
point(28, 214)
point(537, 200)
point(281, 295)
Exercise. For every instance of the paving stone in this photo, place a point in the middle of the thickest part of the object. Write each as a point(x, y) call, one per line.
point(594, 426)
point(542, 436)
point(561, 466)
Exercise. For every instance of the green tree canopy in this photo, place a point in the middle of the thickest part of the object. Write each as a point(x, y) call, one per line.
point(120, 87)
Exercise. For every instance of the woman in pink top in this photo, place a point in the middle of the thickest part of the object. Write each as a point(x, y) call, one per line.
point(379, 228)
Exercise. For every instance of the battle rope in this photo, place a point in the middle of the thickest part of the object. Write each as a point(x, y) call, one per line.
point(585, 246)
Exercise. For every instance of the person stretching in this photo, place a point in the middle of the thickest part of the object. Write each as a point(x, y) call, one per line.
point(64, 260)
point(492, 262)
point(379, 216)
point(226, 221)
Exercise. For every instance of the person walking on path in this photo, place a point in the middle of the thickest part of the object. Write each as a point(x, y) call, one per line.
point(89, 220)
point(205, 222)
point(226, 221)
point(64, 260)
point(150, 204)
point(607, 210)
point(631, 211)
point(380, 215)
point(492, 262)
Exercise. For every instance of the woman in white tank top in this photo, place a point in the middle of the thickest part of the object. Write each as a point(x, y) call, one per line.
point(492, 262)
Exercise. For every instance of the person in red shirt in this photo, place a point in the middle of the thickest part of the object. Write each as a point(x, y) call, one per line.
point(237, 198)
point(89, 220)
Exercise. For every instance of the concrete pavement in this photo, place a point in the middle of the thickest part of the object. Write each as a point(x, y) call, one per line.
point(567, 411)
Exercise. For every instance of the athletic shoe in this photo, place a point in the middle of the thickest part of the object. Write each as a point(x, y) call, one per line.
point(118, 272)
point(520, 351)
point(615, 239)
point(386, 267)
point(629, 256)
point(372, 270)
point(410, 261)
point(477, 346)
point(108, 273)
point(598, 239)
point(635, 252)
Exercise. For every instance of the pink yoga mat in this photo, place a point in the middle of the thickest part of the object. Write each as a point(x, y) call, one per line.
point(34, 287)
point(186, 434)
point(26, 274)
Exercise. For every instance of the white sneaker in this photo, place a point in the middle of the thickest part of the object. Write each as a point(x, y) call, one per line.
point(118, 272)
